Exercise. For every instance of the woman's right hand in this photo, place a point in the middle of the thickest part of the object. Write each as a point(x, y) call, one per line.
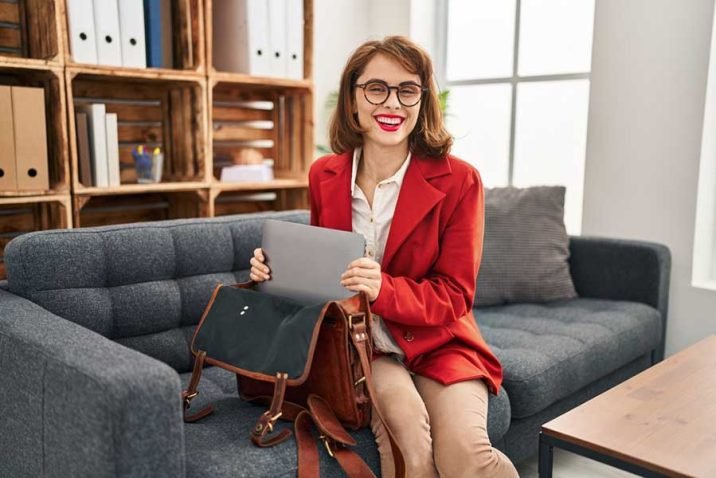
point(259, 270)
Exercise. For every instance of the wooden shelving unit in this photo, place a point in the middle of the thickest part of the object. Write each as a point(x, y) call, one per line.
point(198, 116)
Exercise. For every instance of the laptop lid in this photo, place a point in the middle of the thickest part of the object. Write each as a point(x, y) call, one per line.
point(306, 262)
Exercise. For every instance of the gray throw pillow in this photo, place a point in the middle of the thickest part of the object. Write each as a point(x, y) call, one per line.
point(526, 247)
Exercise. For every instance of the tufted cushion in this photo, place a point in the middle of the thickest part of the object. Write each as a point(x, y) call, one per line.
point(144, 285)
point(550, 351)
point(526, 247)
point(214, 443)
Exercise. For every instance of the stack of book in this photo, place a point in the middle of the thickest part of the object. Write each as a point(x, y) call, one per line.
point(97, 146)
point(132, 33)
point(259, 37)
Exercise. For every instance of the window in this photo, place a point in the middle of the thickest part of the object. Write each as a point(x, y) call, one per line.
point(518, 75)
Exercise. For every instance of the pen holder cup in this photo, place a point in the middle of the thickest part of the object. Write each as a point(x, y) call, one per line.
point(149, 168)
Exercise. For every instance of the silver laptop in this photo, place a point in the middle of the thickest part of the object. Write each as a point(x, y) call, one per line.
point(306, 262)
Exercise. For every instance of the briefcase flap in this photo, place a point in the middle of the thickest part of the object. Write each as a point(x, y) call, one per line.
point(257, 334)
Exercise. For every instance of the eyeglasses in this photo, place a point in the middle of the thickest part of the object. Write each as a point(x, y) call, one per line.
point(377, 92)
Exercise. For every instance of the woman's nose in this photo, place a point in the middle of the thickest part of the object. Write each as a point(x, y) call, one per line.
point(392, 101)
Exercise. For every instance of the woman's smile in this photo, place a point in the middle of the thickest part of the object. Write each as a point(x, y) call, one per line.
point(389, 122)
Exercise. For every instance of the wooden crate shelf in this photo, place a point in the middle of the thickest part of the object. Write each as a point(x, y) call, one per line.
point(274, 122)
point(188, 38)
point(27, 214)
point(165, 113)
point(307, 45)
point(193, 112)
point(30, 30)
point(89, 211)
point(53, 83)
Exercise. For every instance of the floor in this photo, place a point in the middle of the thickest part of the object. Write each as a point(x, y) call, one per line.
point(569, 465)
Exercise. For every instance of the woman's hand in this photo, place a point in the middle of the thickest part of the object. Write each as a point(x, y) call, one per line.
point(363, 275)
point(259, 271)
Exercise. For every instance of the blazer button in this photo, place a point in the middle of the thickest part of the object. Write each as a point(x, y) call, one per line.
point(408, 336)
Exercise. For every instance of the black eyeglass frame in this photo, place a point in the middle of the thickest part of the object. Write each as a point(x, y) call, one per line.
point(363, 86)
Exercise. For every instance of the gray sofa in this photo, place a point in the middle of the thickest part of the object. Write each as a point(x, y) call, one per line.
point(95, 325)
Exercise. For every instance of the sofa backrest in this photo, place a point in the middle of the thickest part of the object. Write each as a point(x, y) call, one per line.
point(144, 285)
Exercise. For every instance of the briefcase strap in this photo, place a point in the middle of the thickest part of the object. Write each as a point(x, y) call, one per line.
point(359, 337)
point(265, 424)
point(332, 433)
point(191, 392)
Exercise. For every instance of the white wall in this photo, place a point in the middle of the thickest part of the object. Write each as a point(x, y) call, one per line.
point(649, 75)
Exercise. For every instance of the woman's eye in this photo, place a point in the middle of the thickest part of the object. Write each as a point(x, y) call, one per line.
point(376, 89)
point(409, 91)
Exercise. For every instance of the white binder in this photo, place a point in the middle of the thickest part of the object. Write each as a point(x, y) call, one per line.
point(83, 41)
point(112, 149)
point(240, 36)
point(96, 117)
point(106, 25)
point(131, 32)
point(294, 39)
point(277, 37)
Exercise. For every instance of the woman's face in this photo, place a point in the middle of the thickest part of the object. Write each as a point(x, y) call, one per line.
point(388, 124)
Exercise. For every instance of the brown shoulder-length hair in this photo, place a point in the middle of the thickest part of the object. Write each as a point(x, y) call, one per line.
point(429, 137)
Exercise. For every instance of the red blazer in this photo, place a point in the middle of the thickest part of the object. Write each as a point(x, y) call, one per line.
point(430, 265)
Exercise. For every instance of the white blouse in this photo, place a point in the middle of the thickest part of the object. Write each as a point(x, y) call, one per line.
point(374, 224)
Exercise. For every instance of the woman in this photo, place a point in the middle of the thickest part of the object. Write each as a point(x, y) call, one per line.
point(421, 211)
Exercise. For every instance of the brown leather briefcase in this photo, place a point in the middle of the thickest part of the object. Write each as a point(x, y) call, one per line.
point(311, 364)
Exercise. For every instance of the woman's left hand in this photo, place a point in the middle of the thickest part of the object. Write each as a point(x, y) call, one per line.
point(363, 275)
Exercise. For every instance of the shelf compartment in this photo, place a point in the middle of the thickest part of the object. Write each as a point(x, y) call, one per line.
point(307, 49)
point(168, 114)
point(29, 29)
point(53, 82)
point(21, 215)
point(257, 197)
point(276, 122)
point(187, 39)
point(89, 211)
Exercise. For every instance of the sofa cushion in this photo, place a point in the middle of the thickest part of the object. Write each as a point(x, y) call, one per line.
point(144, 285)
point(526, 247)
point(219, 445)
point(551, 350)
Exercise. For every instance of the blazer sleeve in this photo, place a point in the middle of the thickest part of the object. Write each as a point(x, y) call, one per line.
point(447, 292)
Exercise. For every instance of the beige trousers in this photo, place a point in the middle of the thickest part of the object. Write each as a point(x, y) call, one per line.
point(442, 429)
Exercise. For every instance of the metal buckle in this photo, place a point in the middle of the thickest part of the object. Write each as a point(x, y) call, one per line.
point(272, 420)
point(189, 398)
point(324, 439)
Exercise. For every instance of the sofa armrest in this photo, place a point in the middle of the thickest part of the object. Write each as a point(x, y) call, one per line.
point(74, 403)
point(622, 269)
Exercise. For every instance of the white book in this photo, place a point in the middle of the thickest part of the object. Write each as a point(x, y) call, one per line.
point(106, 25)
point(278, 38)
point(96, 113)
point(241, 37)
point(247, 173)
point(131, 32)
point(112, 149)
point(294, 39)
point(83, 41)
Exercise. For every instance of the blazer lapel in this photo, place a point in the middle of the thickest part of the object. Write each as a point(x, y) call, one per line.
point(416, 199)
point(336, 193)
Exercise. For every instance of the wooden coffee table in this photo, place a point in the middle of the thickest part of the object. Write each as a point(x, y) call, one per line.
point(661, 422)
